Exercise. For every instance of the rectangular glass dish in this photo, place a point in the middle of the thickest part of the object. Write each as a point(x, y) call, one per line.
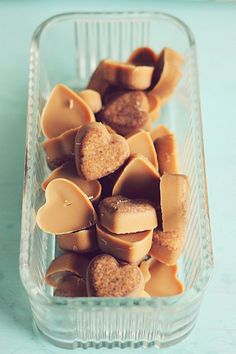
point(66, 49)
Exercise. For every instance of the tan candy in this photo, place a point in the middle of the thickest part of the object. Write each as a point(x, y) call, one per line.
point(107, 278)
point(166, 149)
point(141, 143)
point(139, 179)
point(167, 73)
point(92, 98)
point(143, 56)
point(159, 131)
point(66, 209)
point(174, 191)
point(127, 112)
point(97, 81)
point(60, 149)
point(64, 110)
point(127, 75)
point(68, 171)
point(166, 246)
point(83, 241)
point(71, 286)
point(122, 215)
point(130, 247)
point(154, 106)
point(66, 265)
point(163, 279)
point(98, 153)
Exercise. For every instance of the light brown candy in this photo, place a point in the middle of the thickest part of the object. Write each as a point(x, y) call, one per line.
point(82, 241)
point(66, 209)
point(71, 286)
point(163, 279)
point(98, 153)
point(60, 149)
point(68, 171)
point(167, 73)
point(141, 143)
point(122, 215)
point(97, 81)
point(127, 75)
point(159, 131)
point(139, 179)
point(66, 265)
point(143, 56)
point(64, 110)
point(127, 113)
point(167, 246)
point(144, 294)
point(92, 98)
point(144, 267)
point(174, 191)
point(108, 278)
point(154, 106)
point(167, 156)
point(130, 247)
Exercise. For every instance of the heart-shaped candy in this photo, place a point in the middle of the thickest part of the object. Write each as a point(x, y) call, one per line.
point(108, 278)
point(98, 153)
point(67, 208)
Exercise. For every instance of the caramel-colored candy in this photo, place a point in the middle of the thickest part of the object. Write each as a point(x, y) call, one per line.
point(163, 279)
point(64, 110)
point(122, 215)
point(108, 278)
point(60, 149)
point(159, 131)
point(97, 82)
point(144, 267)
point(166, 149)
point(127, 75)
point(130, 247)
point(71, 286)
point(167, 73)
point(92, 98)
point(66, 209)
point(154, 106)
point(143, 56)
point(139, 179)
point(66, 265)
point(68, 171)
point(144, 294)
point(82, 241)
point(98, 153)
point(174, 191)
point(166, 246)
point(141, 143)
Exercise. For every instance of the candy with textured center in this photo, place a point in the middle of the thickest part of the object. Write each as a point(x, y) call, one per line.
point(141, 143)
point(159, 131)
point(82, 241)
point(64, 110)
point(122, 215)
point(71, 286)
point(143, 56)
point(134, 77)
point(92, 98)
point(66, 209)
point(166, 149)
point(68, 171)
point(108, 278)
point(98, 153)
point(130, 247)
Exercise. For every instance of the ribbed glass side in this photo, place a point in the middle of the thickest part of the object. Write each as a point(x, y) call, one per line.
point(67, 49)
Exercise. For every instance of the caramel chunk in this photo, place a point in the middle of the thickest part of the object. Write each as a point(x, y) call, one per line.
point(68, 171)
point(143, 56)
point(98, 153)
point(166, 149)
point(66, 209)
point(159, 131)
point(107, 278)
point(71, 286)
point(141, 143)
point(92, 98)
point(127, 113)
point(82, 241)
point(63, 111)
point(122, 215)
point(154, 106)
point(130, 247)
point(97, 81)
point(139, 179)
point(127, 75)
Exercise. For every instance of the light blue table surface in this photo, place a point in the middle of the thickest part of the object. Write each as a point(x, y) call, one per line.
point(214, 26)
